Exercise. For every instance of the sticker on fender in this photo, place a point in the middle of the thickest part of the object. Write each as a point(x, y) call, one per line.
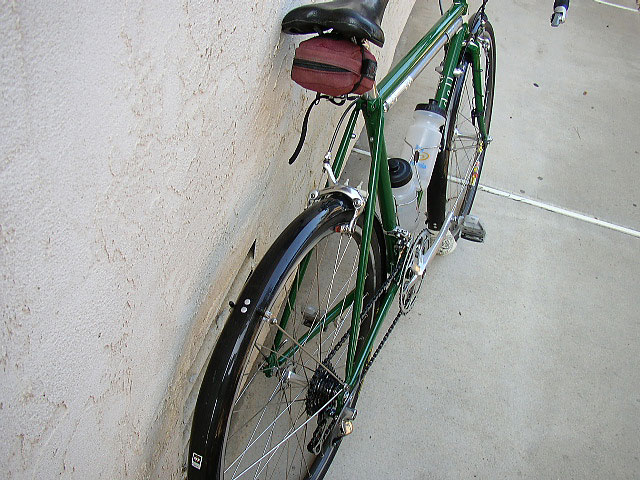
point(196, 461)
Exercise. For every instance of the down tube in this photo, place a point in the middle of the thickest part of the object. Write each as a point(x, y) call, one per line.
point(378, 179)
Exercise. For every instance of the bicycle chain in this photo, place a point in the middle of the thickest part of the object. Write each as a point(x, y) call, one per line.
point(382, 342)
point(365, 311)
point(322, 431)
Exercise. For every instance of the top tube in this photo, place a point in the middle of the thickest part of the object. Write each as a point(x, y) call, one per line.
point(403, 74)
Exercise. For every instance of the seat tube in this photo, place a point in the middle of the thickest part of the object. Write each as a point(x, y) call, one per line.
point(379, 182)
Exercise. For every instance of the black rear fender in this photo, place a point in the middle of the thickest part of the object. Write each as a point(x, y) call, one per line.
point(215, 396)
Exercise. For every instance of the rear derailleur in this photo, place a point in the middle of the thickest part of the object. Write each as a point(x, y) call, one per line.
point(322, 398)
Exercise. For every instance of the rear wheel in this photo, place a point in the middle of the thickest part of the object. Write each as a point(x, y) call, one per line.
point(464, 149)
point(262, 423)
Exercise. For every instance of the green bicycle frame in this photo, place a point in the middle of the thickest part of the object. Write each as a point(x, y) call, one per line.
point(449, 29)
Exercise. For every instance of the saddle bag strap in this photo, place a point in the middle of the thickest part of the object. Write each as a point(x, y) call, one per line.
point(303, 133)
point(365, 63)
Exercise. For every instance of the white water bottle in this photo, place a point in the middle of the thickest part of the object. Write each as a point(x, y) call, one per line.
point(405, 193)
point(423, 138)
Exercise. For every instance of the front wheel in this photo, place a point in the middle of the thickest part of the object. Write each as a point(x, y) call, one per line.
point(266, 402)
point(464, 147)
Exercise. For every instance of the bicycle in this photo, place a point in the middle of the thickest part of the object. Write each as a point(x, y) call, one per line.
point(281, 387)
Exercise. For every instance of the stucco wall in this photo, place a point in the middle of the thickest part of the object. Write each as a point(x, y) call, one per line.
point(143, 151)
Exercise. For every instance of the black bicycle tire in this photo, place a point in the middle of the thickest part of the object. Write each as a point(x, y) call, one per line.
point(452, 113)
point(231, 352)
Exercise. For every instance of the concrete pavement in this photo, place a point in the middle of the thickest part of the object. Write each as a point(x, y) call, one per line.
point(520, 357)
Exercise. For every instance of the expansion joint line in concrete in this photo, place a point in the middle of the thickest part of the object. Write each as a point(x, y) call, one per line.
point(623, 7)
point(545, 206)
point(560, 210)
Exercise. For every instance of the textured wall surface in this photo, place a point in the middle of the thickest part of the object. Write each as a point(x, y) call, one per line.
point(143, 151)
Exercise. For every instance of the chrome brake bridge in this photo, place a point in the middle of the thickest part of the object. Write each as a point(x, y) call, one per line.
point(357, 196)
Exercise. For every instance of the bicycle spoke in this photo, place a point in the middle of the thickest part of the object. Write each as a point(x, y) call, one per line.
point(300, 448)
point(290, 434)
point(253, 441)
point(256, 427)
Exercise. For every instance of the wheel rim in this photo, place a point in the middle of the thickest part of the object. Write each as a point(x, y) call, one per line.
point(270, 428)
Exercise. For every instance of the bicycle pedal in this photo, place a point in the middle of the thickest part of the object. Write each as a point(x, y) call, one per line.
point(472, 229)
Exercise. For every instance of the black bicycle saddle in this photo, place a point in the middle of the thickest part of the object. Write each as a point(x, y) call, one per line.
point(352, 18)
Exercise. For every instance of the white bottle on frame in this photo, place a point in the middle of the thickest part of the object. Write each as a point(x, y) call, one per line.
point(422, 142)
point(405, 187)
